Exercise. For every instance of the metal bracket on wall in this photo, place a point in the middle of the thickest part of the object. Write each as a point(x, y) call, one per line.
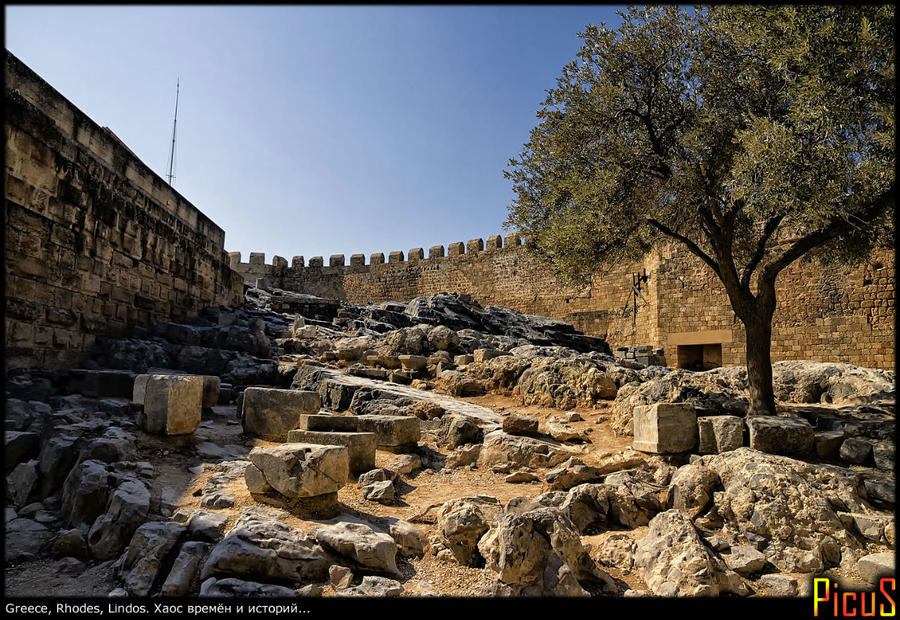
point(637, 281)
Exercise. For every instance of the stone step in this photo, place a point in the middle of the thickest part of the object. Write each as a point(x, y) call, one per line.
point(394, 433)
point(361, 446)
point(320, 422)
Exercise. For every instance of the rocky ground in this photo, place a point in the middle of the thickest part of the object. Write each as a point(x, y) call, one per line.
point(522, 480)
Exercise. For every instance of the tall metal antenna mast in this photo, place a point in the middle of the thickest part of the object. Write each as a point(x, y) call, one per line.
point(171, 173)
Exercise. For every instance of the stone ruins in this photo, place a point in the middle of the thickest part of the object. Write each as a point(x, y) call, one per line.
point(181, 423)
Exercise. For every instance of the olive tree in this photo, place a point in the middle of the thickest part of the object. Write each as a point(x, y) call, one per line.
point(752, 135)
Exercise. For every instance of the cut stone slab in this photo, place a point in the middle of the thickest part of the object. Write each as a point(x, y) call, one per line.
point(395, 433)
point(873, 567)
point(361, 446)
point(413, 362)
point(780, 435)
point(297, 470)
point(328, 423)
point(211, 385)
point(720, 433)
point(270, 413)
point(172, 404)
point(665, 428)
point(337, 390)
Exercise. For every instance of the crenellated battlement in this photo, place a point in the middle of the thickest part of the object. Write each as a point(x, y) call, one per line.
point(256, 267)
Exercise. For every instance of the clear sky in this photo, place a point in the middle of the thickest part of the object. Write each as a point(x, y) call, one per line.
point(307, 130)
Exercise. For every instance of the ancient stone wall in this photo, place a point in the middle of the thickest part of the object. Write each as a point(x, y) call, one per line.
point(824, 314)
point(96, 242)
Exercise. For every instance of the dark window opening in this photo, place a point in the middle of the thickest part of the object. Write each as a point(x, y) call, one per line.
point(699, 356)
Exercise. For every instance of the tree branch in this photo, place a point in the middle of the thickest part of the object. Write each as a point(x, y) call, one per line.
point(835, 228)
point(768, 230)
point(693, 247)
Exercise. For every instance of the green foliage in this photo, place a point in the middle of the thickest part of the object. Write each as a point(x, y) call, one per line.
point(753, 134)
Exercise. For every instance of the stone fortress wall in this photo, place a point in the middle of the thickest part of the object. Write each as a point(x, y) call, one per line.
point(96, 242)
point(824, 314)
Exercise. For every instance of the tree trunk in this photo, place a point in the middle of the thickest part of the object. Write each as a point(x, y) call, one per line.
point(759, 364)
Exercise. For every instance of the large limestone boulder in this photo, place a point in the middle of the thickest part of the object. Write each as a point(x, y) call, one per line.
point(691, 488)
point(270, 413)
point(172, 404)
point(538, 553)
point(151, 544)
point(127, 510)
point(260, 547)
point(518, 451)
point(462, 522)
point(830, 382)
point(628, 504)
point(788, 508)
point(297, 470)
point(361, 544)
point(781, 435)
point(565, 383)
point(673, 560)
point(665, 428)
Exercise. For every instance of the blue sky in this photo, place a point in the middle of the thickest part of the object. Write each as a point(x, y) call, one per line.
point(312, 130)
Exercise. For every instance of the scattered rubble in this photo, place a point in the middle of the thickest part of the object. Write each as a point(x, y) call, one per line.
point(432, 447)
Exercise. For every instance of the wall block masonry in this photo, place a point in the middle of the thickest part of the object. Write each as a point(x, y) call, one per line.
point(96, 242)
point(843, 314)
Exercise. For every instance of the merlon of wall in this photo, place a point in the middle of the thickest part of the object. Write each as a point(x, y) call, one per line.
point(257, 260)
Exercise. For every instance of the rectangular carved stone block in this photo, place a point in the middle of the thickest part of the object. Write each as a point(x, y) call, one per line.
point(360, 446)
point(172, 404)
point(720, 433)
point(300, 469)
point(780, 435)
point(664, 428)
point(270, 413)
point(321, 422)
point(396, 433)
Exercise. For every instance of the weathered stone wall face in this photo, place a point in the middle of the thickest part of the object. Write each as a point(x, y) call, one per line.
point(96, 243)
point(824, 314)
